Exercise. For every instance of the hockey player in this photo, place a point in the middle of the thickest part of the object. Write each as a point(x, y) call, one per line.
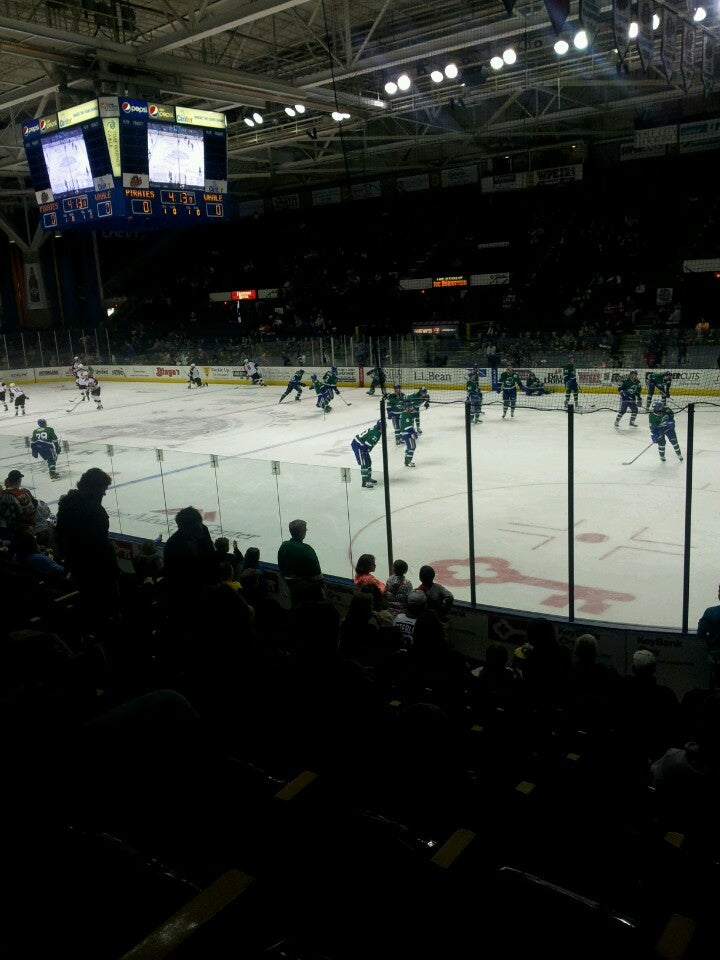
point(378, 380)
point(81, 380)
point(361, 447)
point(330, 378)
point(253, 373)
point(45, 443)
point(75, 365)
point(508, 382)
point(18, 398)
point(570, 379)
point(408, 432)
point(534, 387)
point(661, 382)
point(662, 426)
point(93, 391)
point(294, 383)
point(194, 378)
point(395, 406)
point(630, 390)
point(3, 394)
point(474, 397)
point(324, 393)
point(420, 398)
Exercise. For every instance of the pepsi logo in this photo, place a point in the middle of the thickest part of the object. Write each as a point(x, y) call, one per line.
point(26, 130)
point(153, 110)
point(43, 124)
point(125, 106)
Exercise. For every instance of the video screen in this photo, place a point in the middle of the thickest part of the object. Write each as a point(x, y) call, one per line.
point(176, 155)
point(67, 162)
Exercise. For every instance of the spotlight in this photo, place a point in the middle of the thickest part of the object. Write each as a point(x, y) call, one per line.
point(509, 56)
point(700, 14)
point(436, 76)
point(257, 117)
point(290, 111)
point(497, 63)
point(451, 71)
point(580, 40)
point(249, 121)
point(391, 88)
point(633, 30)
point(561, 47)
point(404, 82)
point(299, 108)
point(656, 21)
point(338, 117)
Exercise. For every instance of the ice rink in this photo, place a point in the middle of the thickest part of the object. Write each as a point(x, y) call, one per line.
point(252, 465)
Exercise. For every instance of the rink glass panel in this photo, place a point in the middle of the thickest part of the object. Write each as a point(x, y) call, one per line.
point(704, 567)
point(248, 504)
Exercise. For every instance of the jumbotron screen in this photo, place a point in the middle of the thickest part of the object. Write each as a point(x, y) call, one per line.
point(120, 164)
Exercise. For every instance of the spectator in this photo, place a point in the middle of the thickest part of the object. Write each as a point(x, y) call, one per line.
point(708, 631)
point(404, 623)
point(39, 562)
point(439, 598)
point(650, 711)
point(380, 612)
point(18, 507)
point(398, 588)
point(148, 565)
point(364, 572)
point(190, 559)
point(222, 549)
point(84, 543)
point(299, 565)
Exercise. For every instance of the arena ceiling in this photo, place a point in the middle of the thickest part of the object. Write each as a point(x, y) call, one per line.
point(331, 56)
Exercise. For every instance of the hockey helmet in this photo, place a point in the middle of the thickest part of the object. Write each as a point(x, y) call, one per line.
point(633, 373)
point(76, 358)
point(81, 366)
point(333, 369)
point(667, 375)
point(397, 386)
point(12, 384)
point(42, 423)
point(301, 372)
point(378, 425)
point(658, 405)
point(246, 360)
point(313, 376)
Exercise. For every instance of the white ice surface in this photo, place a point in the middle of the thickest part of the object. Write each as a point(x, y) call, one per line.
point(629, 520)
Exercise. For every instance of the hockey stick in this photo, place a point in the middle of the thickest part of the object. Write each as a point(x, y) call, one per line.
point(626, 463)
point(347, 404)
point(79, 400)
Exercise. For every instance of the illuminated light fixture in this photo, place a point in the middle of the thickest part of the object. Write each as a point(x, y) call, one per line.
point(339, 117)
point(249, 121)
point(290, 111)
point(497, 63)
point(391, 88)
point(700, 14)
point(656, 21)
point(509, 56)
point(561, 47)
point(451, 71)
point(404, 82)
point(299, 108)
point(633, 30)
point(437, 76)
point(257, 117)
point(580, 40)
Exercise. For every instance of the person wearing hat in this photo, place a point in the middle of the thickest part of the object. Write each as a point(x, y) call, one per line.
point(17, 507)
point(18, 398)
point(45, 443)
point(650, 712)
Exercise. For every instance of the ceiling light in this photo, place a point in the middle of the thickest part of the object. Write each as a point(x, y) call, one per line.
point(496, 63)
point(700, 14)
point(633, 30)
point(249, 121)
point(509, 56)
point(299, 108)
point(580, 40)
point(257, 117)
point(451, 71)
point(339, 117)
point(561, 47)
point(404, 82)
point(290, 111)
point(391, 88)
point(437, 76)
point(656, 21)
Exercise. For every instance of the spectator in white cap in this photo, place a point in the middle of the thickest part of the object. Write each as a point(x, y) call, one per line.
point(404, 623)
point(650, 711)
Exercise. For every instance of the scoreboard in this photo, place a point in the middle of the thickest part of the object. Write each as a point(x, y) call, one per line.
point(115, 163)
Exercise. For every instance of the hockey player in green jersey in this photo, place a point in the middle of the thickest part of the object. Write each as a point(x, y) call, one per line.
point(508, 382)
point(534, 386)
point(330, 378)
point(473, 397)
point(408, 432)
point(630, 390)
point(420, 398)
point(378, 380)
point(662, 382)
point(395, 405)
point(361, 447)
point(570, 380)
point(662, 425)
point(45, 443)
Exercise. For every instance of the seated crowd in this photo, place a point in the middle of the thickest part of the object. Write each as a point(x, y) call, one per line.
point(115, 680)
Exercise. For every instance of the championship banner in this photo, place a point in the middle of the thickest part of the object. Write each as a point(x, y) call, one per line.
point(708, 63)
point(621, 26)
point(668, 44)
point(687, 55)
point(645, 33)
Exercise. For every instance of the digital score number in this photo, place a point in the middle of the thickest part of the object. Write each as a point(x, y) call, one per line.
point(180, 197)
point(70, 204)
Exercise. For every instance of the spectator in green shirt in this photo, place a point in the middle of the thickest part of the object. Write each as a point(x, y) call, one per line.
point(299, 565)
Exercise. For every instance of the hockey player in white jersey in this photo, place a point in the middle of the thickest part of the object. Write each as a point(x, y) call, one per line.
point(194, 378)
point(93, 391)
point(82, 377)
point(3, 395)
point(253, 373)
point(17, 398)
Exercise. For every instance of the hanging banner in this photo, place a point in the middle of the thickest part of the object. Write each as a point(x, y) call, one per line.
point(708, 63)
point(35, 298)
point(590, 17)
point(621, 26)
point(645, 37)
point(668, 44)
point(687, 55)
